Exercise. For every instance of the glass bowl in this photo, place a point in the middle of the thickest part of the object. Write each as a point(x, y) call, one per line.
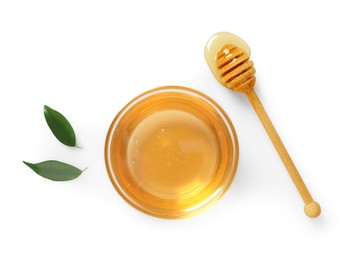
point(171, 152)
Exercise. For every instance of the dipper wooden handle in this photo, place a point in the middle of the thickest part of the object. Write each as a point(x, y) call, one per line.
point(238, 73)
point(312, 208)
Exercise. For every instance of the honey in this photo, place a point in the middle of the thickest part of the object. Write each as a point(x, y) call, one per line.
point(216, 43)
point(171, 153)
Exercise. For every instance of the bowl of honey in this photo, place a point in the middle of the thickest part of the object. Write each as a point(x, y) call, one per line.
point(171, 152)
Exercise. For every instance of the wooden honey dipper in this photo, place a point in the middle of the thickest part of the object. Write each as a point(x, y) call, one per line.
point(228, 57)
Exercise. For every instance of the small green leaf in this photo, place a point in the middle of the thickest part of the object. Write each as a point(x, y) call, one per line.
point(60, 126)
point(55, 170)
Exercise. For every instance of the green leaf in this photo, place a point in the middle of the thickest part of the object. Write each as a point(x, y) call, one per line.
point(60, 126)
point(55, 170)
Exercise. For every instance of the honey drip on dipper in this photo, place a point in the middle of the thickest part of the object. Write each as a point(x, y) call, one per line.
point(228, 56)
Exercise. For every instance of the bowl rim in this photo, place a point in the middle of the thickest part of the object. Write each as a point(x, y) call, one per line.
point(210, 200)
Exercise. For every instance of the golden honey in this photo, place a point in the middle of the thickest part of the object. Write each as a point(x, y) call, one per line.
point(216, 43)
point(171, 152)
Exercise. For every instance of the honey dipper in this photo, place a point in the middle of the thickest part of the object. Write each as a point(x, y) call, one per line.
point(228, 58)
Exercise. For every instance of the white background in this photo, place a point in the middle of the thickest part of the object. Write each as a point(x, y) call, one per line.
point(87, 59)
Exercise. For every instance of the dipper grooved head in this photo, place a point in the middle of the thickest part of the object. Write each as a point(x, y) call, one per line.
point(236, 70)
